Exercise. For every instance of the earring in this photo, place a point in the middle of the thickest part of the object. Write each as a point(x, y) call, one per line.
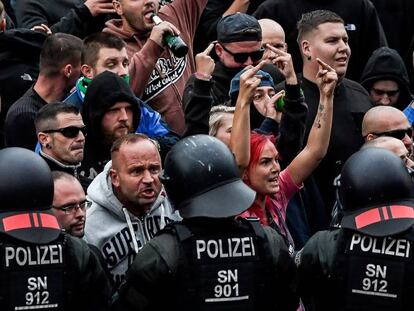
point(48, 146)
point(309, 58)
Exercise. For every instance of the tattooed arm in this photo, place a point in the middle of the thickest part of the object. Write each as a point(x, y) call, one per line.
point(317, 145)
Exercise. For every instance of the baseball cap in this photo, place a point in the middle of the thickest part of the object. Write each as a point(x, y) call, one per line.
point(238, 27)
point(266, 80)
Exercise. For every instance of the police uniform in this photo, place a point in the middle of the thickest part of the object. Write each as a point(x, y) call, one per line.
point(367, 264)
point(41, 267)
point(209, 261)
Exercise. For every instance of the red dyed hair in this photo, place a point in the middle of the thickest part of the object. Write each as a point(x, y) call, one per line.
point(257, 143)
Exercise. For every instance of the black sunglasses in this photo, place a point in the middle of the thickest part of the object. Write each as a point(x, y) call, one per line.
point(69, 132)
point(399, 134)
point(243, 57)
point(381, 92)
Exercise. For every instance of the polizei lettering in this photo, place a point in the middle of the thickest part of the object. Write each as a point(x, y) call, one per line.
point(225, 248)
point(383, 246)
point(33, 255)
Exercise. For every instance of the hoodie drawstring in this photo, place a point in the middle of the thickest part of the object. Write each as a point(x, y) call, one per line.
point(131, 229)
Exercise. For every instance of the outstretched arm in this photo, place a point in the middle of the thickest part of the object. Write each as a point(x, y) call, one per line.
point(240, 134)
point(310, 157)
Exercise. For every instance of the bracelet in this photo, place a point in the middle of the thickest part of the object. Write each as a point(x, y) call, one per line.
point(203, 76)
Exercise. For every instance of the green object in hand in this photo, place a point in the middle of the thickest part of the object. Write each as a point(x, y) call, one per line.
point(280, 103)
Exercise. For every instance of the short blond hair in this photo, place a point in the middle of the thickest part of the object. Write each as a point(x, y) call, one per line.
point(216, 117)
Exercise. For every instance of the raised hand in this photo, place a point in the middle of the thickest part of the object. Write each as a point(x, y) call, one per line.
point(283, 61)
point(204, 63)
point(249, 81)
point(97, 7)
point(326, 79)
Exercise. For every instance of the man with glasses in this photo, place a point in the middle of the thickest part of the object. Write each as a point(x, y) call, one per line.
point(61, 135)
point(239, 44)
point(69, 203)
point(387, 121)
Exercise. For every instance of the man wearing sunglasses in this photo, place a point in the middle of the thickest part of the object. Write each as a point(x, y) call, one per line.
point(239, 44)
point(69, 203)
point(61, 135)
point(387, 121)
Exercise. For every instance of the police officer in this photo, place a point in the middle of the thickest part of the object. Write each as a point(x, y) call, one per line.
point(209, 261)
point(367, 264)
point(41, 267)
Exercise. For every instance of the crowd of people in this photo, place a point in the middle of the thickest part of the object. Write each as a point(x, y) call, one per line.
point(270, 166)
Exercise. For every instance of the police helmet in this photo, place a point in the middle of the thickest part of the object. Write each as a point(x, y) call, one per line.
point(376, 193)
point(202, 179)
point(26, 197)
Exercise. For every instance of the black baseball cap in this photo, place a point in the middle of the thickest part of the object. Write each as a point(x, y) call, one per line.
point(238, 27)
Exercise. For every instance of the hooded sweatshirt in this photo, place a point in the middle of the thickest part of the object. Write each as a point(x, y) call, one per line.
point(116, 232)
point(387, 64)
point(156, 75)
point(105, 90)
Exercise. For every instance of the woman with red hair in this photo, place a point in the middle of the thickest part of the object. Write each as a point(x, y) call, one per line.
point(257, 156)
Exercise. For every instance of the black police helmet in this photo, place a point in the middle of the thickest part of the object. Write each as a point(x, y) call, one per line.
point(26, 197)
point(202, 179)
point(376, 193)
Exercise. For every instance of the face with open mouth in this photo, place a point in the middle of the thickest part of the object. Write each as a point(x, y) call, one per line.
point(264, 176)
point(135, 174)
point(137, 14)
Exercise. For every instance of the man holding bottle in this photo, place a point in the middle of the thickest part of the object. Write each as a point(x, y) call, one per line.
point(156, 74)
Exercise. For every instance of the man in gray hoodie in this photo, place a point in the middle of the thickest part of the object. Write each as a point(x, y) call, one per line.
point(129, 204)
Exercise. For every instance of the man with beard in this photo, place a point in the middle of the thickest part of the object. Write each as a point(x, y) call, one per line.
point(110, 111)
point(157, 76)
point(129, 204)
point(59, 68)
point(61, 134)
point(69, 203)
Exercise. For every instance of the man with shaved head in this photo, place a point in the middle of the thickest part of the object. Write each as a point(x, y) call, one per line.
point(272, 34)
point(392, 144)
point(387, 121)
point(129, 204)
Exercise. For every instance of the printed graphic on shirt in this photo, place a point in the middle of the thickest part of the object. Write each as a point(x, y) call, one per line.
point(119, 252)
point(376, 271)
point(166, 72)
point(34, 275)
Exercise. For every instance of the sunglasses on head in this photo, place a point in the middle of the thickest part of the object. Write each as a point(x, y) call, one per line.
point(388, 93)
point(243, 57)
point(399, 134)
point(69, 132)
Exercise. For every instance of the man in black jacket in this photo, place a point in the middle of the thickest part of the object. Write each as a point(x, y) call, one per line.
point(322, 34)
point(59, 69)
point(360, 20)
point(110, 111)
point(61, 134)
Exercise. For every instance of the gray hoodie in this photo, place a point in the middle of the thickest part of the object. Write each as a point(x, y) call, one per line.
point(117, 233)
